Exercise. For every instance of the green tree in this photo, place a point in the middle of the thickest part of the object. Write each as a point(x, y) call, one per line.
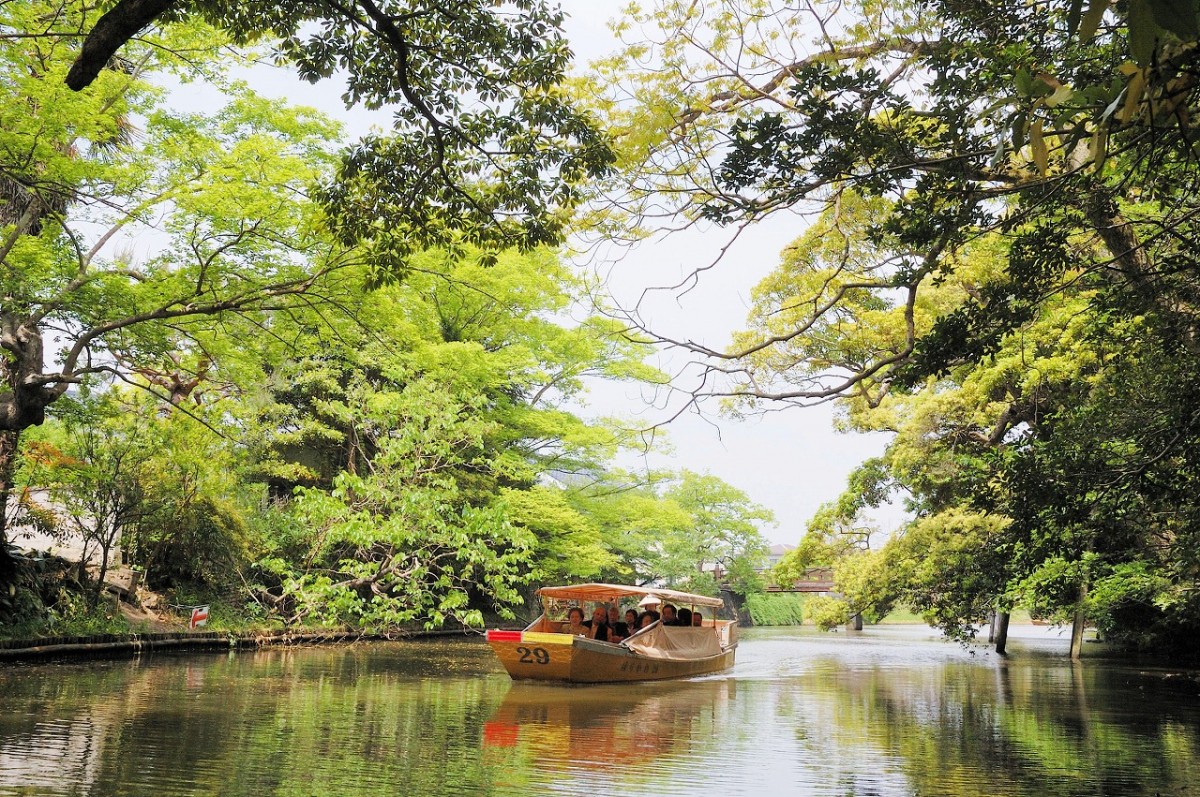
point(1005, 201)
point(485, 147)
point(401, 541)
point(223, 198)
point(498, 342)
point(121, 471)
point(497, 333)
point(678, 528)
point(951, 120)
point(724, 535)
point(91, 472)
point(635, 521)
point(1102, 500)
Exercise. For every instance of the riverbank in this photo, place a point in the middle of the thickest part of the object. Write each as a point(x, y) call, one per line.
point(131, 620)
point(104, 645)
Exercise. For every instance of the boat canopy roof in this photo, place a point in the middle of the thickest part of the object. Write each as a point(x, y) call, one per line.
point(606, 592)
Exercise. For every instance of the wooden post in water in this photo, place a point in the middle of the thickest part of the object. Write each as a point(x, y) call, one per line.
point(1001, 631)
point(1077, 626)
point(992, 627)
point(855, 623)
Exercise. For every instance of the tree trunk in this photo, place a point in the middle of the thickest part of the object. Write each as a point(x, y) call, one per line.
point(104, 538)
point(1001, 632)
point(1077, 626)
point(23, 401)
point(23, 393)
point(8, 463)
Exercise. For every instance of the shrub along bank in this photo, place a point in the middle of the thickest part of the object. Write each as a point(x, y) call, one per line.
point(775, 609)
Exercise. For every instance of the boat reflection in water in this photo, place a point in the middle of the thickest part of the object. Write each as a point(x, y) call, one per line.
point(592, 727)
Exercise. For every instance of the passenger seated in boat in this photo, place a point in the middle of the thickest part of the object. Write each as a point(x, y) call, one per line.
point(685, 618)
point(669, 616)
point(598, 627)
point(618, 629)
point(631, 620)
point(648, 617)
point(697, 619)
point(575, 624)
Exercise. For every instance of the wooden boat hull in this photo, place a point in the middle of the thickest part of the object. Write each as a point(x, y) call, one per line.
point(540, 656)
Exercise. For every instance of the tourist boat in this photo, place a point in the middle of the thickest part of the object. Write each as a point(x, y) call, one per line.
point(543, 652)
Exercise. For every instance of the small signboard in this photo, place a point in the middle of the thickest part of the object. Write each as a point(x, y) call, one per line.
point(199, 616)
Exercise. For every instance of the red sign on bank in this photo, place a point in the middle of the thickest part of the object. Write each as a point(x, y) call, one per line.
point(199, 616)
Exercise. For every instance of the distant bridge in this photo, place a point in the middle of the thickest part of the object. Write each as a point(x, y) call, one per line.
point(815, 579)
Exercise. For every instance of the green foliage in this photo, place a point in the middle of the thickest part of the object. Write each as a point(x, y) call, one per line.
point(189, 539)
point(1106, 496)
point(944, 567)
point(1051, 590)
point(41, 592)
point(150, 482)
point(724, 531)
point(490, 341)
point(1138, 604)
point(693, 531)
point(569, 543)
point(221, 196)
point(401, 542)
point(227, 610)
point(828, 613)
point(868, 583)
point(1000, 273)
point(74, 614)
point(492, 154)
point(775, 609)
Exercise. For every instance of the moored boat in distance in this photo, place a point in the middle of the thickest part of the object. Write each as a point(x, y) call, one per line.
point(545, 651)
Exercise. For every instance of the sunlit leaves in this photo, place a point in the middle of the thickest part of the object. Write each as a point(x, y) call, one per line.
point(401, 542)
point(725, 533)
point(945, 567)
point(222, 198)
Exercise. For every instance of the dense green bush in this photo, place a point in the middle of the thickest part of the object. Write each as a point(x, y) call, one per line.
point(44, 597)
point(781, 609)
point(191, 540)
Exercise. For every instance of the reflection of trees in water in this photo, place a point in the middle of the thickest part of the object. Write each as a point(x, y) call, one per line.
point(395, 720)
point(53, 732)
point(1012, 729)
point(54, 758)
point(289, 722)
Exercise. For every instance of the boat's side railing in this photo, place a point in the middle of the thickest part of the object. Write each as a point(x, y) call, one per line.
point(640, 632)
point(726, 632)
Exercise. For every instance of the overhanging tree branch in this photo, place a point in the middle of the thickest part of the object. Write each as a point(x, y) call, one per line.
point(111, 32)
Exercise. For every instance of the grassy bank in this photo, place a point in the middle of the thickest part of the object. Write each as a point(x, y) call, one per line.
point(782, 609)
point(774, 609)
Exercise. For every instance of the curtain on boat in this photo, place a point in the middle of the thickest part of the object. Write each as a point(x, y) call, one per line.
point(673, 642)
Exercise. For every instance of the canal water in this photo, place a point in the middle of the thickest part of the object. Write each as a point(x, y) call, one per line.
point(890, 711)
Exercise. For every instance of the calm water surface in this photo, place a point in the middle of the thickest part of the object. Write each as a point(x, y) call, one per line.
point(891, 711)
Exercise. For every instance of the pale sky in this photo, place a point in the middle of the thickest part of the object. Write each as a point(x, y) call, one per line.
point(791, 461)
